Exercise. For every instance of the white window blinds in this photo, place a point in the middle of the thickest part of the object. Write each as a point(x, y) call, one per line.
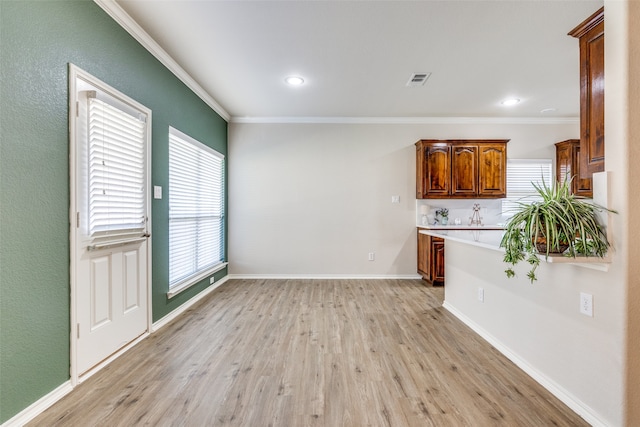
point(521, 174)
point(116, 169)
point(196, 208)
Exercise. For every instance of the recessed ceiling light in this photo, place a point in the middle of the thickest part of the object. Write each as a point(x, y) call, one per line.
point(510, 102)
point(294, 80)
point(548, 110)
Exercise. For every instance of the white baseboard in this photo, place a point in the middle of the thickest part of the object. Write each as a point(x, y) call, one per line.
point(36, 408)
point(184, 307)
point(324, 276)
point(39, 406)
point(554, 388)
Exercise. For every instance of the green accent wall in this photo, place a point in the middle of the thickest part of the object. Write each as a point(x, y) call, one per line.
point(38, 39)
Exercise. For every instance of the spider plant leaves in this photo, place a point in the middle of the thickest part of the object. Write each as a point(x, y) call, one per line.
point(560, 220)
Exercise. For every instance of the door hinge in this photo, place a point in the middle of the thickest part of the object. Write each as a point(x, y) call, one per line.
point(77, 219)
point(77, 109)
point(78, 330)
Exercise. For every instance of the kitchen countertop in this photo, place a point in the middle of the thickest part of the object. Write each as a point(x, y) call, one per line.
point(491, 238)
point(483, 237)
point(462, 227)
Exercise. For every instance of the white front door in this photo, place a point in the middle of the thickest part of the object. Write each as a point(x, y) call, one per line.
point(111, 301)
point(109, 237)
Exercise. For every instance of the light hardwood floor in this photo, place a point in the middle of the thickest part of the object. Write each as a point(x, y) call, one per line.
point(313, 353)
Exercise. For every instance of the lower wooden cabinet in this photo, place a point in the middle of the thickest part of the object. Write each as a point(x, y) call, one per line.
point(424, 251)
point(431, 258)
point(437, 261)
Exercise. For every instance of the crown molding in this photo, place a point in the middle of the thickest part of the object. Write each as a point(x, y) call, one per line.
point(125, 21)
point(118, 14)
point(408, 120)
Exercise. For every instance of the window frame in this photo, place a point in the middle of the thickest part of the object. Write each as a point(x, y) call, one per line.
point(179, 284)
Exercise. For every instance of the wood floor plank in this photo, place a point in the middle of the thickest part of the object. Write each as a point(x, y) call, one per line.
point(323, 353)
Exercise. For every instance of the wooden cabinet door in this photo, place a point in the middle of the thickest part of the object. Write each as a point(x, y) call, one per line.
point(464, 171)
point(568, 164)
point(420, 172)
point(581, 186)
point(591, 40)
point(437, 260)
point(424, 252)
point(564, 161)
point(492, 170)
point(437, 170)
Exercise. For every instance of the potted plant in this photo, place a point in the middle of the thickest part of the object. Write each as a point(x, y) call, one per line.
point(444, 213)
point(558, 223)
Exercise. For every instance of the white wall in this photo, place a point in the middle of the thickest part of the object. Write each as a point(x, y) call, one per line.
point(315, 199)
point(285, 220)
point(630, 79)
point(577, 357)
point(622, 124)
point(587, 360)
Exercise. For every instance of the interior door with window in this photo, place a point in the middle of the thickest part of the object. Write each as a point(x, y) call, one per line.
point(110, 197)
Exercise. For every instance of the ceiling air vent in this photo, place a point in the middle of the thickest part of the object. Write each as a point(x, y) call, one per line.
point(418, 79)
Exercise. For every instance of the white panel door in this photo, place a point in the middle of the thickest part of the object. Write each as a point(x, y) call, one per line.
point(112, 301)
point(109, 212)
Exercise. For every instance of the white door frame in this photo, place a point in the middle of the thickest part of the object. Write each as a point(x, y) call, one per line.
point(74, 74)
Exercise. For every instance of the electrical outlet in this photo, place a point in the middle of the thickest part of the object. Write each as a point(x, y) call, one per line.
point(481, 294)
point(395, 199)
point(372, 256)
point(586, 304)
point(211, 280)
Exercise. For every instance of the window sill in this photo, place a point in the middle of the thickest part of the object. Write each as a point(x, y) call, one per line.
point(195, 279)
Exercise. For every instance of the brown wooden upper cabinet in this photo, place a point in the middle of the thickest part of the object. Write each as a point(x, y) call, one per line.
point(568, 163)
point(464, 170)
point(437, 169)
point(590, 34)
point(461, 169)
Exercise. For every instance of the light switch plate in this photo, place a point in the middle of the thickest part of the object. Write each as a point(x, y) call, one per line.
point(157, 192)
point(395, 199)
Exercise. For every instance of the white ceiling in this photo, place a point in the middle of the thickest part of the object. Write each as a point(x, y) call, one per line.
point(357, 56)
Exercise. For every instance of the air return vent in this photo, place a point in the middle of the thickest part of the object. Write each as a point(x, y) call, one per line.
point(418, 79)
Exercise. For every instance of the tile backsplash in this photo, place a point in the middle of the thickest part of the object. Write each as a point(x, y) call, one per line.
point(490, 210)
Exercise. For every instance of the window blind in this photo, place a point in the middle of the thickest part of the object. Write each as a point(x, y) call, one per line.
point(116, 170)
point(196, 208)
point(521, 174)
